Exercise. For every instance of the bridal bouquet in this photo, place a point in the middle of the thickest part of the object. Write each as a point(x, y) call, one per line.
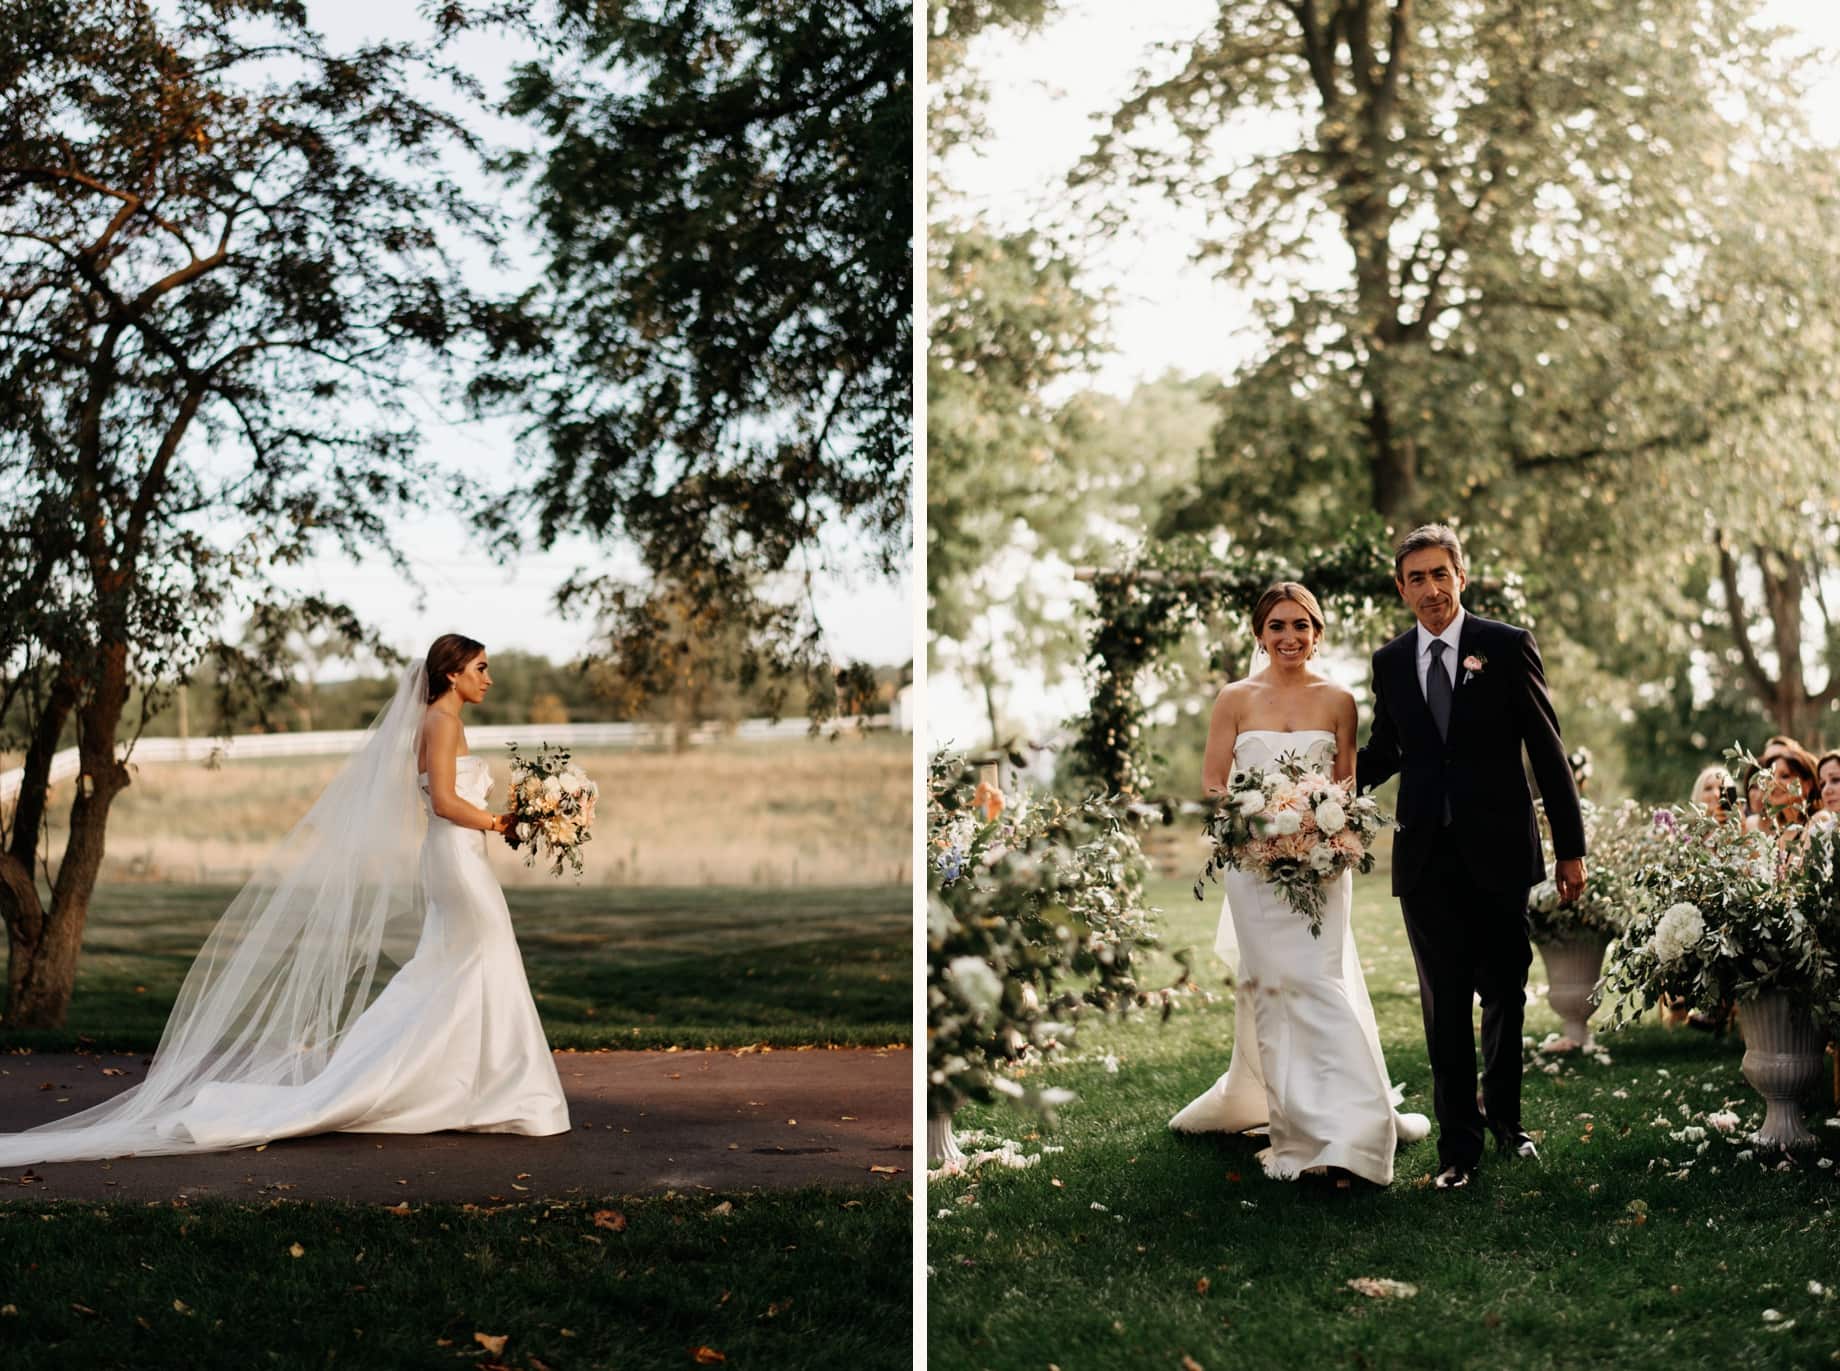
point(553, 802)
point(1292, 826)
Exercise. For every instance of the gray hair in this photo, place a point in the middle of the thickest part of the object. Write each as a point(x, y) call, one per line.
point(1424, 536)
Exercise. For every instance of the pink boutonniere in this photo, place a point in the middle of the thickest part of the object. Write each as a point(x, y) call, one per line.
point(1472, 665)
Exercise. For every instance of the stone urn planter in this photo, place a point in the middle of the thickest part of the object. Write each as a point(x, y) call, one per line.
point(1783, 1053)
point(1573, 965)
point(942, 1149)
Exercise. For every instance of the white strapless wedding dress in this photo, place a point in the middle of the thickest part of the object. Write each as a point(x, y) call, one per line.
point(1306, 1058)
point(453, 1041)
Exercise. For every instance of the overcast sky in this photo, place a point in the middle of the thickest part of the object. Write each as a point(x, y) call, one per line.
point(1047, 95)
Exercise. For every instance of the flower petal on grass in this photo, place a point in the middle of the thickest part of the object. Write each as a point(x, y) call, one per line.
point(1382, 1288)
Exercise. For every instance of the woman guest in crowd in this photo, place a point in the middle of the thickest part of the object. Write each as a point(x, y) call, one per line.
point(1790, 788)
point(1715, 792)
point(1827, 778)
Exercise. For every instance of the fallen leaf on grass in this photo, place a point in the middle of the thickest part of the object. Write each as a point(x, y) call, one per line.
point(81, 1308)
point(1383, 1288)
point(884, 1171)
point(610, 1218)
point(706, 1356)
point(1201, 1286)
point(401, 1211)
point(722, 1210)
point(1189, 1363)
point(296, 1250)
point(181, 1307)
point(778, 1307)
point(492, 1342)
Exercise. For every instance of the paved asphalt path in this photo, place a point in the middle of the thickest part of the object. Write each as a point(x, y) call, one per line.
point(643, 1122)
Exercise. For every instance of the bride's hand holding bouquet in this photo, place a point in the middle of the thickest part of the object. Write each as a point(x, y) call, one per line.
point(1295, 827)
point(552, 808)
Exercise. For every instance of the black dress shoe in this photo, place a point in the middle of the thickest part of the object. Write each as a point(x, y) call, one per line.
point(1515, 1142)
point(1456, 1176)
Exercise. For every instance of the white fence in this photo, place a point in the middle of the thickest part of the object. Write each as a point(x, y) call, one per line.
point(480, 738)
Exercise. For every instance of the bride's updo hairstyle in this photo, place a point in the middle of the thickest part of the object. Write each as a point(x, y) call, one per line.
point(1277, 595)
point(449, 652)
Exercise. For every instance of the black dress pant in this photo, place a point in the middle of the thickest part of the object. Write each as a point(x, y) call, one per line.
point(1468, 941)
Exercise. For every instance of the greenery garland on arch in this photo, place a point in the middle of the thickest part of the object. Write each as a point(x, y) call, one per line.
point(1175, 585)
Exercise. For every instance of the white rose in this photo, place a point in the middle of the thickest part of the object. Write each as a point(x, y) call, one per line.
point(981, 986)
point(1331, 818)
point(524, 832)
point(552, 786)
point(1286, 823)
point(1322, 858)
point(1680, 927)
point(1250, 803)
point(1544, 897)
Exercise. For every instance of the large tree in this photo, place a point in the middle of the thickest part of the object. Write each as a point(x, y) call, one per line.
point(1467, 223)
point(1556, 269)
point(723, 193)
point(1009, 325)
point(226, 251)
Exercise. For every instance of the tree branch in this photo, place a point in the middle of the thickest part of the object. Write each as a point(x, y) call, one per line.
point(1761, 685)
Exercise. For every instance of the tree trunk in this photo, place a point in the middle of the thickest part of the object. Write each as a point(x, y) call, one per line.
point(21, 905)
point(38, 993)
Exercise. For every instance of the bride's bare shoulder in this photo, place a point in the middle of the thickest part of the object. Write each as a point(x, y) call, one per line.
point(1342, 696)
point(1233, 698)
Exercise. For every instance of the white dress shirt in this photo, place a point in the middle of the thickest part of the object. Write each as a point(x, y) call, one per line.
point(1452, 631)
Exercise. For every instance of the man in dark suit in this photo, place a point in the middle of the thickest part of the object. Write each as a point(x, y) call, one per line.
point(1455, 699)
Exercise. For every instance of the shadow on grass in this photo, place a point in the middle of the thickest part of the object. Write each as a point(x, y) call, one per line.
point(707, 966)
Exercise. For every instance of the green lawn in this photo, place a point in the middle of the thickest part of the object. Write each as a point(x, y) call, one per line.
point(689, 966)
point(1137, 1248)
point(805, 1279)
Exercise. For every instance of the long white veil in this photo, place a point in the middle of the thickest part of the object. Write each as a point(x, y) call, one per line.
point(302, 950)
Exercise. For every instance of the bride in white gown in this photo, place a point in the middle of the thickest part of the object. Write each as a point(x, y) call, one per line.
point(290, 1021)
point(1306, 1064)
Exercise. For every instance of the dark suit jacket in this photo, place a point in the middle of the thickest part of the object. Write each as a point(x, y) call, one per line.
point(1478, 766)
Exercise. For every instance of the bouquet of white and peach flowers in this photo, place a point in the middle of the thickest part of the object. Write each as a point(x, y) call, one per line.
point(1291, 825)
point(552, 801)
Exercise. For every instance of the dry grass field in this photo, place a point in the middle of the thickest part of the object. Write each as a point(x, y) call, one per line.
point(781, 813)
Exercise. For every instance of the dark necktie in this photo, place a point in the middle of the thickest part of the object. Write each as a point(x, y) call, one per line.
point(1437, 687)
point(1437, 696)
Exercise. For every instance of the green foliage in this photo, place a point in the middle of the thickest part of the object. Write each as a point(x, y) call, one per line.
point(1147, 606)
point(1578, 297)
point(724, 194)
point(1035, 914)
point(1620, 844)
point(1731, 915)
point(229, 254)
